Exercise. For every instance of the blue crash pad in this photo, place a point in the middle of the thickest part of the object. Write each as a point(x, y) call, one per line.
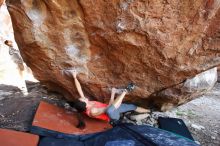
point(120, 135)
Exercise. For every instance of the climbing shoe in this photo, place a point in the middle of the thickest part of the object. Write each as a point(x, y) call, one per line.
point(130, 87)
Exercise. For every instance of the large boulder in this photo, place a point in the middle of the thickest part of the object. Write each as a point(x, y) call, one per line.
point(155, 44)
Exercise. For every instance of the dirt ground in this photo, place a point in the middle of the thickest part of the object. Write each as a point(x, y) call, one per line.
point(17, 111)
point(202, 115)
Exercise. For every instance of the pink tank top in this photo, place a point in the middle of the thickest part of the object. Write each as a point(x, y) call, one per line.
point(97, 104)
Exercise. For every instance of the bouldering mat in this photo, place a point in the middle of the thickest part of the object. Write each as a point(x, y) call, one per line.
point(174, 125)
point(53, 119)
point(124, 134)
point(15, 138)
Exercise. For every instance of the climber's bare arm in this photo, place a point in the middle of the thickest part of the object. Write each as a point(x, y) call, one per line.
point(78, 86)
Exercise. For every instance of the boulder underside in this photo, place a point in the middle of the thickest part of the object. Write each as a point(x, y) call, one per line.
point(157, 45)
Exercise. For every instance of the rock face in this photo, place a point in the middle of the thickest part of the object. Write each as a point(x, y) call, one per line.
point(155, 44)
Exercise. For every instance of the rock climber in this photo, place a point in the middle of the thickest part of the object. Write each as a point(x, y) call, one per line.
point(17, 59)
point(109, 112)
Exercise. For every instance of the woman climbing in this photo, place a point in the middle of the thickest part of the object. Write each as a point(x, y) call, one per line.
point(109, 112)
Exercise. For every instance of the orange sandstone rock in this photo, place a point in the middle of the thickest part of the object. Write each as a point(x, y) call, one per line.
point(155, 44)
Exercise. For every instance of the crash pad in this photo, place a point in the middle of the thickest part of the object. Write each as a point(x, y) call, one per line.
point(174, 125)
point(121, 135)
point(15, 138)
point(54, 118)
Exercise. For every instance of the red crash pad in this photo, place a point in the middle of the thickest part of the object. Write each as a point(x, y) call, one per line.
point(54, 118)
point(15, 138)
